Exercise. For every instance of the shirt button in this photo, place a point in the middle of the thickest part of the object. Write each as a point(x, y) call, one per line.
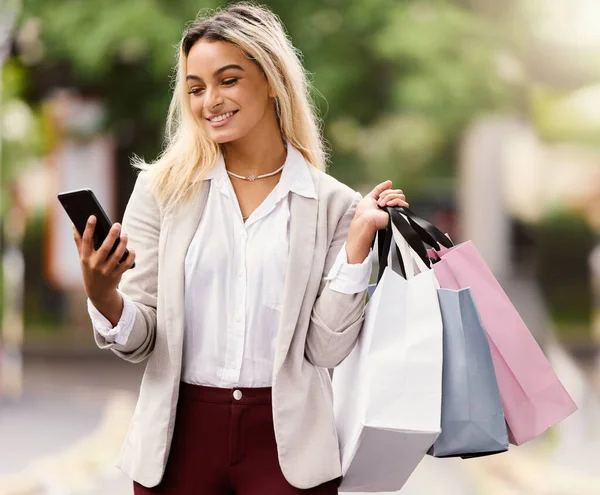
point(237, 318)
point(237, 394)
point(240, 273)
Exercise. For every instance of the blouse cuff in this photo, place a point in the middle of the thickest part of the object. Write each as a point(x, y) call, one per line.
point(350, 278)
point(120, 333)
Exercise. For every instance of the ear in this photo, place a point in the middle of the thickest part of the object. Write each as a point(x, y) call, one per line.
point(272, 93)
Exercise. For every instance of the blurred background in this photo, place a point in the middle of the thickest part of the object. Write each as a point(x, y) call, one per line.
point(486, 113)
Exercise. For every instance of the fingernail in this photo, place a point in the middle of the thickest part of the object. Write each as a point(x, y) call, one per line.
point(92, 219)
point(124, 235)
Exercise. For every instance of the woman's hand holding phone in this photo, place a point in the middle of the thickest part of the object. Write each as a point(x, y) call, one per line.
point(101, 270)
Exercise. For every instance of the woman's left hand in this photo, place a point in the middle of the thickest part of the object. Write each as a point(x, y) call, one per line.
point(368, 210)
point(369, 218)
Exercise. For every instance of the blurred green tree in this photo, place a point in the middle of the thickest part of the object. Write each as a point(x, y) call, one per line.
point(396, 81)
point(22, 137)
point(564, 243)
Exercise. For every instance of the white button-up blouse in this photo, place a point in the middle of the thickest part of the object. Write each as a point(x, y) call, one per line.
point(234, 279)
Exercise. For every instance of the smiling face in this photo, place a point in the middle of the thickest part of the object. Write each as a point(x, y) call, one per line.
point(229, 94)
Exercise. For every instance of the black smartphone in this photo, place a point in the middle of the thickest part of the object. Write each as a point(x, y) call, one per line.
point(80, 204)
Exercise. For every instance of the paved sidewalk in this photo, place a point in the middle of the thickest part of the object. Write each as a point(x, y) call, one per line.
point(63, 438)
point(39, 424)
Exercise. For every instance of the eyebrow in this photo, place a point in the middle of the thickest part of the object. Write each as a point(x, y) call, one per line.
point(217, 72)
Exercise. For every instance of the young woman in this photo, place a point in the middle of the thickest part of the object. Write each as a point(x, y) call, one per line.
point(250, 277)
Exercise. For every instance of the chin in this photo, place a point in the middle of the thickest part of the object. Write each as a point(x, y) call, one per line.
point(223, 139)
point(225, 136)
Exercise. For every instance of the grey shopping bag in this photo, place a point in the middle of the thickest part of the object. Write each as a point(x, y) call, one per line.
point(473, 422)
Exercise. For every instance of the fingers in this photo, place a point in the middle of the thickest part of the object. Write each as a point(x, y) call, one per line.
point(386, 196)
point(394, 192)
point(392, 197)
point(396, 202)
point(120, 251)
point(380, 188)
point(87, 245)
point(109, 242)
point(76, 238)
point(126, 265)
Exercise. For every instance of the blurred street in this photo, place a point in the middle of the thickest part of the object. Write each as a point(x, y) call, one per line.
point(64, 435)
point(63, 438)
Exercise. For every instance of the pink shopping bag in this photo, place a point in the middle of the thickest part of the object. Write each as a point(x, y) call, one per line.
point(533, 398)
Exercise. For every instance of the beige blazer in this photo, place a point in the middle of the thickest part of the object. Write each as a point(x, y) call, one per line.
point(318, 329)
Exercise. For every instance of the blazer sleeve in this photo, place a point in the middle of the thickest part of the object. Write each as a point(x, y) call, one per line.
point(141, 222)
point(336, 318)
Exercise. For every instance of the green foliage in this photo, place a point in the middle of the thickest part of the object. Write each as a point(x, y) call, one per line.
point(567, 116)
point(14, 80)
point(446, 53)
point(402, 77)
point(94, 36)
point(565, 241)
point(22, 135)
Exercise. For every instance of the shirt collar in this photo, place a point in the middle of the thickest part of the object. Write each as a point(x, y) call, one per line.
point(295, 176)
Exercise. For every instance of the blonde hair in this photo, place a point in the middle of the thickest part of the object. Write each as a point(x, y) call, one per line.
point(188, 152)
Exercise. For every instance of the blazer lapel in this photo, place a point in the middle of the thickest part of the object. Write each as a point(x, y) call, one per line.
point(303, 232)
point(181, 227)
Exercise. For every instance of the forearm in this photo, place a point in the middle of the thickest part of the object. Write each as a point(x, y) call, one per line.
point(337, 315)
point(110, 307)
point(360, 239)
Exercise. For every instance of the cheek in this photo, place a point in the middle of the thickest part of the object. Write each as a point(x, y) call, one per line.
point(196, 106)
point(255, 105)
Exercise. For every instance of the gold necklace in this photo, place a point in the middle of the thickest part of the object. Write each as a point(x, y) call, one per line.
point(252, 178)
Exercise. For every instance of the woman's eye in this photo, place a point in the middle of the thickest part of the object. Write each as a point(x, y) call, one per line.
point(195, 91)
point(230, 82)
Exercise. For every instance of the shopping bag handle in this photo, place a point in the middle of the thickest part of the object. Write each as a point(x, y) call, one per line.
point(409, 233)
point(384, 244)
point(385, 239)
point(426, 231)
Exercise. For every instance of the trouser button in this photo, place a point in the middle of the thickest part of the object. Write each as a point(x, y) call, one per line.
point(237, 394)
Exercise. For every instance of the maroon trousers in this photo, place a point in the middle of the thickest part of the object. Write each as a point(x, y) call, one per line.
point(224, 444)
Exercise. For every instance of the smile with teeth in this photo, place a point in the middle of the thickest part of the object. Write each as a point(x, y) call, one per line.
point(222, 117)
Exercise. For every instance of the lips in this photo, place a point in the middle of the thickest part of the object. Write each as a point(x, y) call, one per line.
point(221, 117)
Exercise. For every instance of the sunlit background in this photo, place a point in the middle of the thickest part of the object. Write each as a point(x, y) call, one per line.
point(485, 112)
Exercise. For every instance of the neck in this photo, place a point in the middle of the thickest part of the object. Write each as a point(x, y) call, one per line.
point(255, 155)
point(258, 159)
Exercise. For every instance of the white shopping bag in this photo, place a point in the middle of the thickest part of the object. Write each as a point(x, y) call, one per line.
point(387, 392)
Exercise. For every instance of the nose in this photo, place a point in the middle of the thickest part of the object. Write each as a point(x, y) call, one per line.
point(213, 100)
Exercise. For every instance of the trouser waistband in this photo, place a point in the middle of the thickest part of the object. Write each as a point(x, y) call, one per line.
point(241, 395)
